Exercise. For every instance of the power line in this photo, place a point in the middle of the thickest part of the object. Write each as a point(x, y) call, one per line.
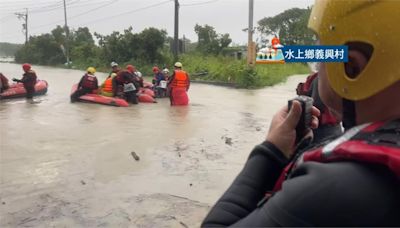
point(101, 19)
point(200, 3)
point(128, 12)
point(37, 5)
point(6, 18)
point(45, 7)
point(91, 10)
point(73, 17)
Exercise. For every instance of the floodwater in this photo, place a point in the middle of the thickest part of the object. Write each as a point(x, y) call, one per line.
point(70, 165)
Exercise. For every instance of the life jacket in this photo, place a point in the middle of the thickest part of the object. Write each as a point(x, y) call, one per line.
point(159, 77)
point(124, 77)
point(89, 82)
point(108, 87)
point(376, 143)
point(310, 88)
point(29, 79)
point(180, 79)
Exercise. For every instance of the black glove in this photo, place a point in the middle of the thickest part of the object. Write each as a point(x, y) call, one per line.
point(15, 80)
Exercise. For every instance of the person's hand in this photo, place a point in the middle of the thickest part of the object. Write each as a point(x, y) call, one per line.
point(282, 132)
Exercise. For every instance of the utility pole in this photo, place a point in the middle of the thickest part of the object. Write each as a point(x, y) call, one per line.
point(176, 31)
point(24, 16)
point(184, 44)
point(250, 43)
point(66, 35)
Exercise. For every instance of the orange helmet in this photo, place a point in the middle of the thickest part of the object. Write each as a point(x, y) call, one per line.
point(26, 66)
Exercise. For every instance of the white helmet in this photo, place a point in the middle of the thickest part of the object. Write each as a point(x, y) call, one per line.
point(113, 64)
point(166, 71)
point(139, 74)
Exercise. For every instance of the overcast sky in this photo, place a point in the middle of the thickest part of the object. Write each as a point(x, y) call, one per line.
point(106, 16)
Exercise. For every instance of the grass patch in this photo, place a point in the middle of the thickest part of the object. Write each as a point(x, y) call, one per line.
point(217, 69)
point(229, 70)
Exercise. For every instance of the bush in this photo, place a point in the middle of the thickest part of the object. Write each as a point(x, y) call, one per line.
point(231, 70)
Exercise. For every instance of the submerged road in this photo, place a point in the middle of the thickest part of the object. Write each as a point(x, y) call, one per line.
point(71, 165)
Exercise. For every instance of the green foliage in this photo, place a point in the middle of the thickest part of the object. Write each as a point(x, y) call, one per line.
point(209, 41)
point(145, 48)
point(271, 74)
point(140, 47)
point(42, 50)
point(152, 43)
point(8, 49)
point(290, 26)
point(207, 59)
point(83, 48)
point(59, 35)
point(49, 49)
point(230, 70)
point(82, 36)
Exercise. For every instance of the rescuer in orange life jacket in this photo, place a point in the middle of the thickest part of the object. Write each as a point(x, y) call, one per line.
point(353, 180)
point(87, 84)
point(106, 88)
point(179, 84)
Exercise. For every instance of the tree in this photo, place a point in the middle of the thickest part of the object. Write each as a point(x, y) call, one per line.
point(82, 46)
point(82, 36)
point(48, 49)
point(152, 43)
point(290, 26)
point(209, 41)
point(42, 50)
point(59, 35)
point(143, 47)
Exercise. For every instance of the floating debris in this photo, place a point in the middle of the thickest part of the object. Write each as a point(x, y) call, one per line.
point(83, 182)
point(228, 141)
point(135, 156)
point(183, 224)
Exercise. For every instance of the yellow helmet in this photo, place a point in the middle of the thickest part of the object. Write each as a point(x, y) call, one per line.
point(178, 64)
point(91, 70)
point(369, 21)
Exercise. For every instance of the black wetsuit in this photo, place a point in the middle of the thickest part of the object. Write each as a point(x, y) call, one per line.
point(317, 194)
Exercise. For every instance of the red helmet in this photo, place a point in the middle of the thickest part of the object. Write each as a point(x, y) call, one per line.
point(155, 69)
point(26, 66)
point(130, 68)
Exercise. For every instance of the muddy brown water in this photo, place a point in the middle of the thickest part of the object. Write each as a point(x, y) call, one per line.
point(71, 165)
